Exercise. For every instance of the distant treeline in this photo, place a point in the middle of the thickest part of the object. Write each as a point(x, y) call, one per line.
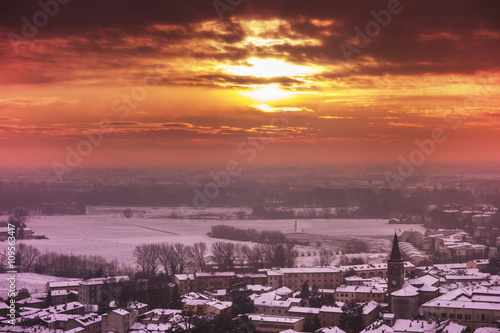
point(30, 259)
point(369, 202)
point(248, 235)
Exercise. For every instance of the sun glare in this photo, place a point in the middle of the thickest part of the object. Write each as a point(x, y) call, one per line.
point(268, 94)
point(268, 68)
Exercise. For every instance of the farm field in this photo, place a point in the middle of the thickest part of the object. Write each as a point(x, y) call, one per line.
point(105, 231)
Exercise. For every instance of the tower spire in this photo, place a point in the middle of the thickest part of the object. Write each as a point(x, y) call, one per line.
point(395, 254)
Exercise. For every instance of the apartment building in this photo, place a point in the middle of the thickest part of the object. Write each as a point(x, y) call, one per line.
point(268, 323)
point(374, 270)
point(359, 294)
point(101, 290)
point(203, 281)
point(473, 307)
point(117, 321)
point(330, 315)
point(294, 278)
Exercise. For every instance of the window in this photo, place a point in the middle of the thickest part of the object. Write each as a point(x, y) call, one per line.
point(467, 317)
point(452, 316)
point(483, 317)
point(443, 315)
point(459, 316)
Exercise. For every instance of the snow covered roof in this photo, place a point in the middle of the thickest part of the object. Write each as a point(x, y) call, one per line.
point(184, 277)
point(303, 310)
point(281, 304)
point(159, 312)
point(283, 291)
point(408, 291)
point(121, 312)
point(426, 288)
point(36, 328)
point(264, 299)
point(358, 289)
point(195, 302)
point(370, 306)
point(366, 267)
point(378, 327)
point(274, 273)
point(111, 279)
point(487, 330)
point(408, 325)
point(309, 270)
point(273, 319)
point(445, 267)
point(214, 274)
point(88, 319)
point(333, 329)
point(429, 279)
point(327, 291)
point(64, 284)
point(332, 309)
point(221, 305)
point(469, 298)
point(258, 287)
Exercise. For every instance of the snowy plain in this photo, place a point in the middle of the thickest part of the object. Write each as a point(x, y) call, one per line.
point(105, 231)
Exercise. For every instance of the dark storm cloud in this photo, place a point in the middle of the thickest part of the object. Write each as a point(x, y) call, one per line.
point(426, 37)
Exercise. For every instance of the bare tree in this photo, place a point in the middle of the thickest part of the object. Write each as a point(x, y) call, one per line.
point(254, 255)
point(165, 256)
point(173, 260)
point(27, 256)
point(181, 254)
point(267, 252)
point(18, 219)
point(197, 254)
point(146, 256)
point(291, 254)
point(224, 255)
point(325, 257)
point(239, 256)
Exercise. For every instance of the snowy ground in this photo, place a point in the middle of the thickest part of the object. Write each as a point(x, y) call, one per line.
point(31, 281)
point(105, 231)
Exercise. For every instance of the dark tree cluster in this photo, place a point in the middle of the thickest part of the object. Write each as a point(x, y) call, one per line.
point(248, 235)
point(171, 258)
point(71, 266)
point(355, 245)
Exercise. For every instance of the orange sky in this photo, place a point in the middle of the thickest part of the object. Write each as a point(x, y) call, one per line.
point(180, 86)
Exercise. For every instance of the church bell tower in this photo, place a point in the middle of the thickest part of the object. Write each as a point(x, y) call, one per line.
point(395, 270)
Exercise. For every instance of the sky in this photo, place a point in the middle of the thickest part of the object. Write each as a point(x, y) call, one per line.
point(133, 83)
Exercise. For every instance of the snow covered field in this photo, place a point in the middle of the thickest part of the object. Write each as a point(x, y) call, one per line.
point(31, 281)
point(105, 231)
